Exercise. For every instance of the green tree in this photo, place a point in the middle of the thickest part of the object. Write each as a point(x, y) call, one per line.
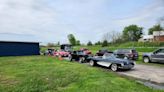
point(104, 43)
point(89, 43)
point(132, 33)
point(155, 28)
point(98, 43)
point(72, 39)
point(58, 43)
point(78, 42)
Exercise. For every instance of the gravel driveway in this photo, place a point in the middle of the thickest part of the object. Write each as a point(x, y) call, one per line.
point(146, 72)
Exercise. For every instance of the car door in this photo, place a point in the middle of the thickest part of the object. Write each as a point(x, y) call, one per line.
point(74, 54)
point(105, 61)
point(158, 56)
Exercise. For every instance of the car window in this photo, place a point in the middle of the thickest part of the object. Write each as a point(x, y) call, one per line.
point(126, 51)
point(103, 51)
point(80, 52)
point(161, 51)
point(118, 51)
point(74, 52)
point(107, 55)
point(134, 51)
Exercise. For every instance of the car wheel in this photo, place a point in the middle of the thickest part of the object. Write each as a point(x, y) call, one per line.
point(92, 63)
point(114, 67)
point(146, 59)
point(70, 58)
point(81, 59)
point(125, 57)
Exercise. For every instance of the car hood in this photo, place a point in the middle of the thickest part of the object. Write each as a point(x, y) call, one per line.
point(123, 60)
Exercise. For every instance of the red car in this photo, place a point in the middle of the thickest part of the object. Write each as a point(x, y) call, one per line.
point(86, 51)
point(61, 53)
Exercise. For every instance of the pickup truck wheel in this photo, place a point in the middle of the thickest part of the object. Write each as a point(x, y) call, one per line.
point(81, 59)
point(146, 59)
point(92, 63)
point(114, 67)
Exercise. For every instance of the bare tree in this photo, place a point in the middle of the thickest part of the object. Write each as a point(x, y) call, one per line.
point(50, 45)
point(112, 36)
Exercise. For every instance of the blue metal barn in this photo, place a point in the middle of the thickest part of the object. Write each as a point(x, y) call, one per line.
point(9, 48)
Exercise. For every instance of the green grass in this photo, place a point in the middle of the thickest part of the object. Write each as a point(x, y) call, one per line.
point(140, 44)
point(47, 74)
point(94, 49)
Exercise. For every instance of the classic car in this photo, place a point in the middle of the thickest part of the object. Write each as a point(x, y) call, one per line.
point(66, 47)
point(127, 53)
point(86, 51)
point(49, 52)
point(65, 50)
point(102, 52)
point(156, 56)
point(79, 56)
point(111, 61)
point(61, 53)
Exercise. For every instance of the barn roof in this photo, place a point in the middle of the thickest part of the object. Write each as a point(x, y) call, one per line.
point(19, 42)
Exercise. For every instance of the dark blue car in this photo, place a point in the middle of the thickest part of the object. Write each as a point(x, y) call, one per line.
point(111, 61)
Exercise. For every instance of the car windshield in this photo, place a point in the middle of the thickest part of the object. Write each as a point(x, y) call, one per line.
point(68, 48)
point(108, 55)
point(126, 51)
point(134, 51)
point(104, 50)
point(160, 51)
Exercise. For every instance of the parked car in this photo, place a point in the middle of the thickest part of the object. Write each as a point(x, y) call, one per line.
point(66, 47)
point(110, 60)
point(79, 56)
point(102, 52)
point(156, 56)
point(127, 53)
point(86, 51)
point(65, 50)
point(61, 53)
point(49, 52)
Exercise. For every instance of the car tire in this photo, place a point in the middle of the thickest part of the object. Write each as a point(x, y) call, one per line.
point(125, 57)
point(70, 58)
point(114, 67)
point(92, 63)
point(146, 60)
point(81, 59)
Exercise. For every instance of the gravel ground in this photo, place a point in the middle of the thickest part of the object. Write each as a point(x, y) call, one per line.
point(146, 72)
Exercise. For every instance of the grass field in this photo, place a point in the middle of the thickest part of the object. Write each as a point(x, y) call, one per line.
point(47, 74)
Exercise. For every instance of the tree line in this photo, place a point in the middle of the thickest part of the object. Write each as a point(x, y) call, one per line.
point(130, 33)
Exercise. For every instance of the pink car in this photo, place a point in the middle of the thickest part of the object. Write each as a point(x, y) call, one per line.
point(61, 53)
point(86, 51)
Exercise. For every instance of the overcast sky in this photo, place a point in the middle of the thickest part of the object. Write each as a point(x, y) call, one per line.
point(52, 20)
